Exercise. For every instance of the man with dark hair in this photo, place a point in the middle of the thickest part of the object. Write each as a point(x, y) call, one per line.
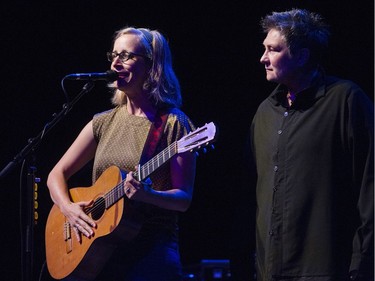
point(311, 143)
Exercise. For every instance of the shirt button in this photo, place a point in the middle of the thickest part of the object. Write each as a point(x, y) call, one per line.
point(279, 132)
point(275, 168)
point(286, 113)
point(270, 233)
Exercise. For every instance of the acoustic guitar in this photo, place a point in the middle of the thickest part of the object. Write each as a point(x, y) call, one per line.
point(113, 213)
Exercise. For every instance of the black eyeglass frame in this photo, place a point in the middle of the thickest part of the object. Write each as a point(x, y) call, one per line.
point(124, 56)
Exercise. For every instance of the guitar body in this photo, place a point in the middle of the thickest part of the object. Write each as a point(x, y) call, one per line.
point(65, 256)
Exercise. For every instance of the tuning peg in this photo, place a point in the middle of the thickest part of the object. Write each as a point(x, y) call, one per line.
point(196, 153)
point(212, 146)
point(204, 150)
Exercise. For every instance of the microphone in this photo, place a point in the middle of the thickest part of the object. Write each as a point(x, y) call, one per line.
point(109, 76)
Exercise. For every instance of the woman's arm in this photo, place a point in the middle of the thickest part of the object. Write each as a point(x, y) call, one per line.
point(79, 153)
point(178, 198)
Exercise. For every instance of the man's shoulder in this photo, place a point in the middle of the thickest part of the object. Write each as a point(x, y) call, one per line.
point(335, 81)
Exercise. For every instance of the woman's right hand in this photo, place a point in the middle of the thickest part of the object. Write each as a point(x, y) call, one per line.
point(79, 221)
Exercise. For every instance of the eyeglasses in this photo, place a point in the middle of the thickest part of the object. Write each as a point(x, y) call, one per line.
point(124, 56)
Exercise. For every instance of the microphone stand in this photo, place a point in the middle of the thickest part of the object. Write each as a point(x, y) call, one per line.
point(32, 180)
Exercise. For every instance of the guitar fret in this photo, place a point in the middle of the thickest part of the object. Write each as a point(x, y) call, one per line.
point(108, 199)
point(164, 154)
point(121, 189)
point(114, 195)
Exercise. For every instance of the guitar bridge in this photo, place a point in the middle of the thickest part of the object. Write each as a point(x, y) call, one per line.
point(68, 237)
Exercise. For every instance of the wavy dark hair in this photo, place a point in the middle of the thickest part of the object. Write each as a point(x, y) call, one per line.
point(300, 29)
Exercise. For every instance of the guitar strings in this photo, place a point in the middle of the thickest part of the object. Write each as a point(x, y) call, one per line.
point(110, 197)
point(153, 164)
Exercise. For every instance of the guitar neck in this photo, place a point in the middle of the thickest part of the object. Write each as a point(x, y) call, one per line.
point(152, 165)
point(142, 173)
point(191, 142)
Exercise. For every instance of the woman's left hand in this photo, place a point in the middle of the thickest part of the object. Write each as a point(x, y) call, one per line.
point(134, 189)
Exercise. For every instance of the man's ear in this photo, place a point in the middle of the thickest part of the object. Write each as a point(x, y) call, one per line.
point(303, 56)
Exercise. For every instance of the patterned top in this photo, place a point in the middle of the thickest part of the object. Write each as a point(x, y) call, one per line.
point(121, 138)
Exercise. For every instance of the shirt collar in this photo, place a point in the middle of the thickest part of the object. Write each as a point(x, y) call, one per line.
point(305, 98)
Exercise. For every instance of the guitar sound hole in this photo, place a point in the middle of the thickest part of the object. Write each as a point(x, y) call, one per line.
point(98, 208)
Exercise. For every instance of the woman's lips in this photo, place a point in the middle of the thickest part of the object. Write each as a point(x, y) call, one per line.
point(125, 76)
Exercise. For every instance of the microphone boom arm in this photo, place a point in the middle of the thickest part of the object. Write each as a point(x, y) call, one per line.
point(34, 142)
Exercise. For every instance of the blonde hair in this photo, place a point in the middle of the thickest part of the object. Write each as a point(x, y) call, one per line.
point(162, 83)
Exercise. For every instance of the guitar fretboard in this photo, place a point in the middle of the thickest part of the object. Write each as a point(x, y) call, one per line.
point(116, 193)
point(152, 165)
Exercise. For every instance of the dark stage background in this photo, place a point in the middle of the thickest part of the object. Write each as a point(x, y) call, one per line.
point(216, 49)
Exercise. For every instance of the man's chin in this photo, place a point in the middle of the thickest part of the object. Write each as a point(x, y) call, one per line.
point(271, 79)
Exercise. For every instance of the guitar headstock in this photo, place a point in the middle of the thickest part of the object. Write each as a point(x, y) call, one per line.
point(197, 139)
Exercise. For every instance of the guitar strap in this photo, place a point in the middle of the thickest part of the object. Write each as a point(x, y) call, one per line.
point(154, 135)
